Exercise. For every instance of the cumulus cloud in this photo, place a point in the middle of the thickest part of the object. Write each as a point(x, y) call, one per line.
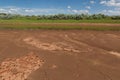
point(114, 3)
point(38, 11)
point(88, 7)
point(117, 8)
point(69, 7)
point(31, 11)
point(80, 11)
point(92, 2)
point(111, 12)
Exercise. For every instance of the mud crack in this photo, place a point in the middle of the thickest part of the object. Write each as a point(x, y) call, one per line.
point(19, 68)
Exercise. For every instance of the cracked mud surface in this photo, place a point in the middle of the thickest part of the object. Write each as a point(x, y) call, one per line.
point(59, 55)
point(20, 68)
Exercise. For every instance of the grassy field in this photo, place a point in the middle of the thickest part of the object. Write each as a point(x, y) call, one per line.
point(62, 28)
point(57, 27)
point(60, 24)
point(59, 21)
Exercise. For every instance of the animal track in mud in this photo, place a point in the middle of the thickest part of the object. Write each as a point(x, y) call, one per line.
point(19, 68)
point(49, 46)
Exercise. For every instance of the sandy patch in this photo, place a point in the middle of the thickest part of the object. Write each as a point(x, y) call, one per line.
point(115, 53)
point(49, 46)
point(19, 68)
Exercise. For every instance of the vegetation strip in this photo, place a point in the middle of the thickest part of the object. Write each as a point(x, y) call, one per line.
point(59, 18)
point(60, 21)
point(62, 28)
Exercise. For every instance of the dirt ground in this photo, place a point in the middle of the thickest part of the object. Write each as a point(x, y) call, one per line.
point(59, 55)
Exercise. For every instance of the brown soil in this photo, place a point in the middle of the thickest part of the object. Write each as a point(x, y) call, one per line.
point(59, 55)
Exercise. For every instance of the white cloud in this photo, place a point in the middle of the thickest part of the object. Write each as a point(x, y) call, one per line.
point(75, 11)
point(118, 8)
point(69, 7)
point(2, 10)
point(88, 7)
point(103, 2)
point(80, 11)
point(92, 2)
point(13, 9)
point(31, 11)
point(38, 11)
point(10, 10)
point(111, 12)
point(114, 3)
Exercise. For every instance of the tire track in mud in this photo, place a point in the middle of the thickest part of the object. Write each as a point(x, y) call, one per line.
point(91, 47)
point(59, 47)
point(67, 38)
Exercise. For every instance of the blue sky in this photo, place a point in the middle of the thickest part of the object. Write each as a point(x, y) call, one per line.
point(36, 7)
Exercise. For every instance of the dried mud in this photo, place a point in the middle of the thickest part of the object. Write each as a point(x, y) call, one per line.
point(59, 55)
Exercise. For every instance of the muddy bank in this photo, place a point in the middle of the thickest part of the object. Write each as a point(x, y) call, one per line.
point(65, 55)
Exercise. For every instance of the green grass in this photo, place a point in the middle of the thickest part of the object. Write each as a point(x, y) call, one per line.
point(58, 21)
point(28, 24)
point(60, 28)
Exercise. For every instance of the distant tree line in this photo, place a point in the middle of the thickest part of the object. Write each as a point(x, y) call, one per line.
point(5, 16)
